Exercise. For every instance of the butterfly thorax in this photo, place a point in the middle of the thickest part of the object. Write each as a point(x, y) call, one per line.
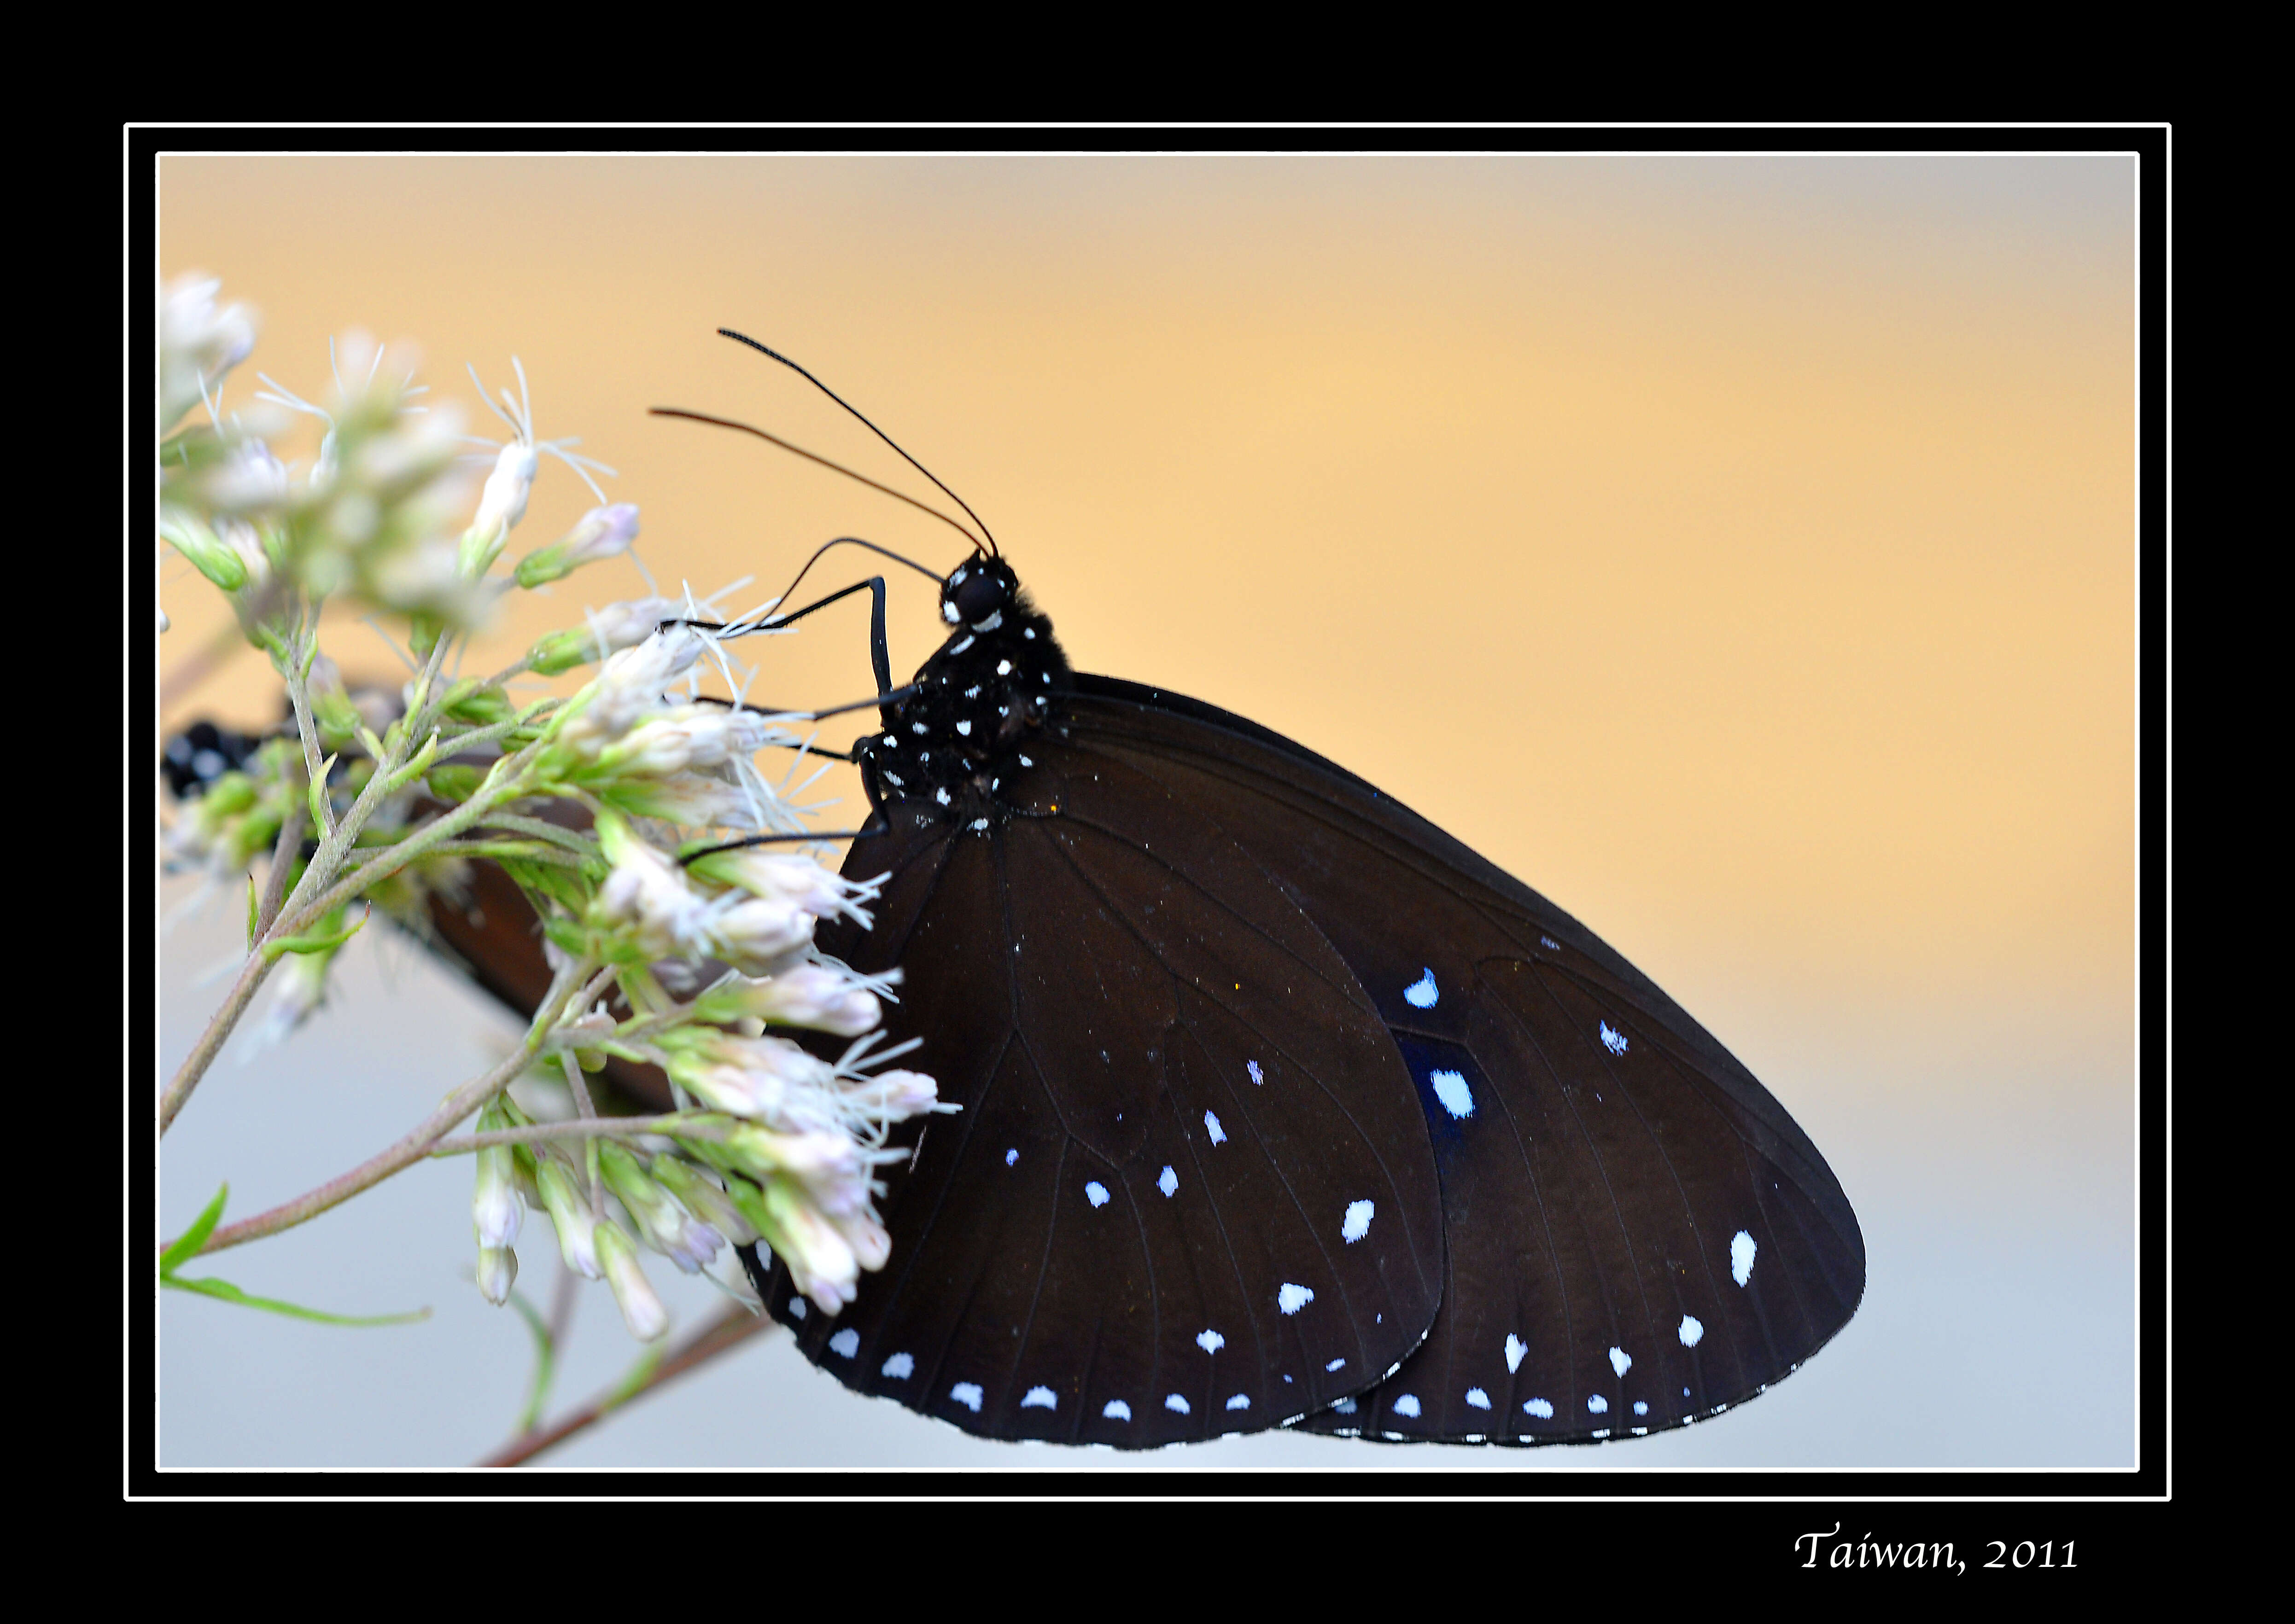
point(961, 740)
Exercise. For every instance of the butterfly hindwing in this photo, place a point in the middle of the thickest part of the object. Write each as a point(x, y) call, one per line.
point(1188, 1193)
point(1637, 1234)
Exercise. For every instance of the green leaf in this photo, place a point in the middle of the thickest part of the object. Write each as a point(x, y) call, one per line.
point(315, 792)
point(187, 1245)
point(316, 942)
point(229, 1292)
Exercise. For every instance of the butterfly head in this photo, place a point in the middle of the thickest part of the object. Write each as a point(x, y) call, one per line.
point(977, 592)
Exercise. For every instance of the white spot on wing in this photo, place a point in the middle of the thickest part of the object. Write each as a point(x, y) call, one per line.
point(1476, 1397)
point(1598, 1404)
point(797, 1308)
point(1095, 1192)
point(1358, 1222)
point(964, 728)
point(846, 1343)
point(1212, 1126)
point(1613, 1040)
point(1292, 1298)
point(1117, 1410)
point(1741, 1257)
point(1451, 1089)
point(1640, 1409)
point(1211, 1341)
point(1169, 1183)
point(1258, 1078)
point(1345, 1406)
point(1515, 1349)
point(967, 1393)
point(1692, 1329)
point(1406, 1405)
point(1241, 1400)
point(1175, 1404)
point(1421, 994)
point(1620, 1360)
point(1543, 1408)
point(1335, 1364)
point(900, 1367)
point(1011, 1156)
point(1039, 1397)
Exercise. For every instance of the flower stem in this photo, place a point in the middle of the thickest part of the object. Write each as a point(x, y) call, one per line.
point(410, 1149)
point(736, 1325)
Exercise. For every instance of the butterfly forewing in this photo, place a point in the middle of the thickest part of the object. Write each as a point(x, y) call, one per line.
point(1638, 1234)
point(1189, 1192)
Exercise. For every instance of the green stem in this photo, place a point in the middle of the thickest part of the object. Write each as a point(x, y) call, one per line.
point(414, 1147)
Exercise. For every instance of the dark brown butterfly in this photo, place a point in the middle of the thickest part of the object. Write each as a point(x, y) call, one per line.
point(1280, 1106)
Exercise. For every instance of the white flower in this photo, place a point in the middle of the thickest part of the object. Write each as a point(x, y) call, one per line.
point(646, 900)
point(895, 1097)
point(826, 997)
point(756, 931)
point(688, 798)
point(503, 501)
point(689, 738)
point(821, 1262)
point(198, 343)
point(502, 504)
point(752, 1077)
point(252, 478)
point(797, 881)
point(627, 691)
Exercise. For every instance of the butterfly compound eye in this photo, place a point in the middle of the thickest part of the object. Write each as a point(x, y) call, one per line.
point(974, 592)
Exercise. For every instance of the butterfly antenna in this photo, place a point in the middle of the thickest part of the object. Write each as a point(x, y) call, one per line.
point(774, 439)
point(744, 339)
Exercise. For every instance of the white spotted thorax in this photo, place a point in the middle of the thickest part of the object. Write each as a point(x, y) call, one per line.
point(955, 750)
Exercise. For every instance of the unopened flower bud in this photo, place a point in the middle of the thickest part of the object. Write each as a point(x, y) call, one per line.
point(209, 553)
point(501, 505)
point(821, 1263)
point(496, 1212)
point(601, 533)
point(497, 1270)
point(818, 996)
point(798, 881)
point(662, 1223)
point(568, 1206)
point(641, 1310)
point(608, 631)
point(702, 1198)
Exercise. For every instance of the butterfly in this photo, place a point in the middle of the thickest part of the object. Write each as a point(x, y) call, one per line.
point(1279, 1106)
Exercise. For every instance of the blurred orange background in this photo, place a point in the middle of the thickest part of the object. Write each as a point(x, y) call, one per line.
point(1741, 551)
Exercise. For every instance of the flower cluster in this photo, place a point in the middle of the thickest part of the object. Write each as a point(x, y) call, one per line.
point(645, 893)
